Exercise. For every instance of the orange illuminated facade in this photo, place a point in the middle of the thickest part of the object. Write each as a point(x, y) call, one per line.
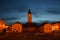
point(8, 28)
point(56, 26)
point(29, 16)
point(47, 28)
point(2, 25)
point(17, 27)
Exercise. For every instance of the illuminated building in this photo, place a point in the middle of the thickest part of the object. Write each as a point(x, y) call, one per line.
point(47, 28)
point(9, 28)
point(56, 26)
point(29, 16)
point(29, 26)
point(41, 28)
point(17, 27)
point(2, 25)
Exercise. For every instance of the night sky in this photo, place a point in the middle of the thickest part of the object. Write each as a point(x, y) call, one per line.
point(42, 10)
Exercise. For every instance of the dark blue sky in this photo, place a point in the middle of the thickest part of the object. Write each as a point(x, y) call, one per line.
point(16, 10)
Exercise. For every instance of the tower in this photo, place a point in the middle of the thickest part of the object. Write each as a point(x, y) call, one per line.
point(29, 16)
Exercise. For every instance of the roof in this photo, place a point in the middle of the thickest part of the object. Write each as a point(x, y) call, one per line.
point(16, 23)
point(29, 25)
point(56, 22)
point(29, 11)
point(2, 21)
point(44, 23)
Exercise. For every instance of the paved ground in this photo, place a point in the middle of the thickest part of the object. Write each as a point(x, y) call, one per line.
point(28, 36)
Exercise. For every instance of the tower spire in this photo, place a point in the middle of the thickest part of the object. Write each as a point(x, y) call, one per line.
point(29, 11)
point(29, 16)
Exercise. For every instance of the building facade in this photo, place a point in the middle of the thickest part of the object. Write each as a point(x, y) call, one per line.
point(29, 16)
point(17, 27)
point(47, 28)
point(2, 25)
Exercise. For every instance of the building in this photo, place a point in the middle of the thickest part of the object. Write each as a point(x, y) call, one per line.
point(41, 28)
point(29, 26)
point(47, 28)
point(56, 26)
point(29, 16)
point(17, 27)
point(8, 28)
point(2, 25)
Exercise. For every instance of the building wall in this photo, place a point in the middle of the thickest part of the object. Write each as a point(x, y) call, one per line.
point(56, 26)
point(17, 28)
point(29, 17)
point(47, 28)
point(41, 29)
point(29, 29)
point(2, 25)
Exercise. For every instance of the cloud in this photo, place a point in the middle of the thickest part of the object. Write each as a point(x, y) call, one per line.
point(6, 9)
point(11, 18)
point(11, 5)
point(54, 11)
point(22, 9)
